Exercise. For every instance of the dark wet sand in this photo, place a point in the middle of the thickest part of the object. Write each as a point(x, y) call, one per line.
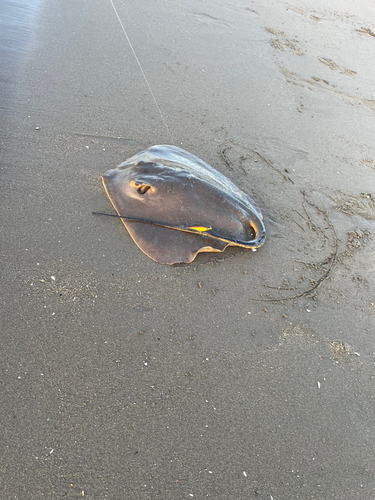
point(122, 378)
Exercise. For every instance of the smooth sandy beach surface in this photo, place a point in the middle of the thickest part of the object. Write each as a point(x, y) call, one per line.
point(244, 374)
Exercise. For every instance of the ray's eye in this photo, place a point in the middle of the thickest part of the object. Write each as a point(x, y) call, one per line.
point(143, 188)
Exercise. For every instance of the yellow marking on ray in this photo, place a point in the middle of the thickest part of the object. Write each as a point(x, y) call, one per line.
point(200, 228)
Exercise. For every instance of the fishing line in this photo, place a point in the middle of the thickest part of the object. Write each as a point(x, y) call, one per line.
point(143, 73)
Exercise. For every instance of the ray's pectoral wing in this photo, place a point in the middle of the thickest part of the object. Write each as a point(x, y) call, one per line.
point(171, 246)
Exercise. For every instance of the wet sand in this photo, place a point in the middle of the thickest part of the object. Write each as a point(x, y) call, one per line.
point(244, 374)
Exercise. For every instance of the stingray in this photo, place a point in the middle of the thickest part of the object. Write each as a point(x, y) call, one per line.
point(175, 205)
